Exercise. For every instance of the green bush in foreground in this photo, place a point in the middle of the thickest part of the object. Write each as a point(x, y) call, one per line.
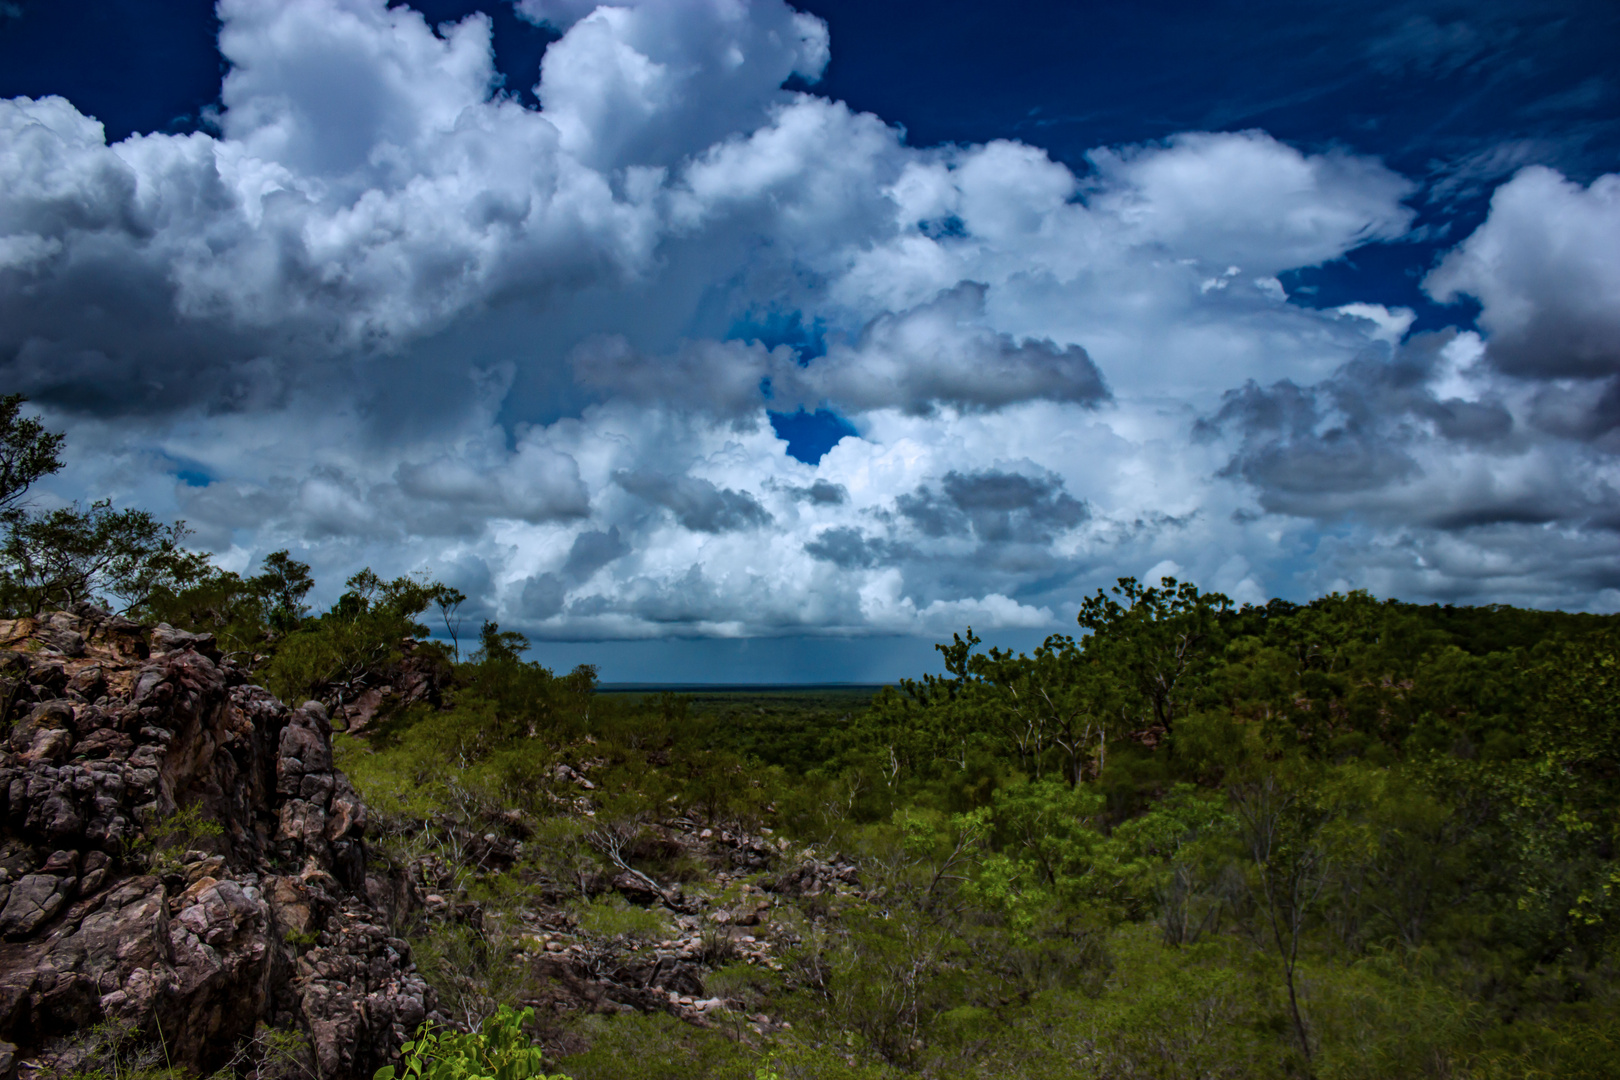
point(498, 1050)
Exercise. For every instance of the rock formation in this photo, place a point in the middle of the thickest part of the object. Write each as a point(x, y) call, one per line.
point(178, 854)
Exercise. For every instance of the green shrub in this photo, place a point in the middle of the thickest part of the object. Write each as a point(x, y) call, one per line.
point(498, 1050)
point(166, 840)
point(611, 916)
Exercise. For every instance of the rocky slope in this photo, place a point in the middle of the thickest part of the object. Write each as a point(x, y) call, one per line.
point(120, 902)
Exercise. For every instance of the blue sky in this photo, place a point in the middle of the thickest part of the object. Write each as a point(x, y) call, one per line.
point(749, 342)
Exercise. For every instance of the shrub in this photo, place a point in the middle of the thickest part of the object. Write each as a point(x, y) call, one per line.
point(498, 1050)
point(610, 916)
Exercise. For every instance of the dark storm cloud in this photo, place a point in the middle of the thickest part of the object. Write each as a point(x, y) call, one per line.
point(542, 487)
point(1356, 444)
point(1292, 460)
point(545, 595)
point(1560, 340)
point(939, 353)
point(995, 506)
point(722, 378)
point(592, 550)
point(1371, 397)
point(1586, 411)
point(542, 596)
point(697, 504)
point(934, 354)
point(103, 339)
point(933, 515)
point(691, 598)
point(820, 493)
point(849, 548)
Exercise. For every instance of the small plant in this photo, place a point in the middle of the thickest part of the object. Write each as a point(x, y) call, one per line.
point(300, 939)
point(115, 1050)
point(166, 841)
point(497, 1050)
point(610, 916)
point(270, 1054)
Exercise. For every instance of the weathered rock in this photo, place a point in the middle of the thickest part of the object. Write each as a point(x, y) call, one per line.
point(166, 638)
point(420, 676)
point(31, 902)
point(118, 730)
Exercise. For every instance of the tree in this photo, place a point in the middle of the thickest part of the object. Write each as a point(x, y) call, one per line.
point(283, 583)
point(501, 646)
point(97, 554)
point(449, 601)
point(1280, 829)
point(1156, 640)
point(361, 634)
point(27, 452)
point(1056, 700)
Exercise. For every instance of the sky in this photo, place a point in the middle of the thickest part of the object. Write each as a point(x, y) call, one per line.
point(714, 340)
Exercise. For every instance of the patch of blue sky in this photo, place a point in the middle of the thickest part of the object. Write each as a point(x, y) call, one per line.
point(776, 327)
point(810, 435)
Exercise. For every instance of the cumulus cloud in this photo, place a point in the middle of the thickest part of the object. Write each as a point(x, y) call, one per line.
point(645, 84)
point(938, 353)
point(535, 484)
point(592, 550)
point(994, 506)
point(726, 378)
point(941, 353)
point(1545, 267)
point(822, 493)
point(389, 315)
point(696, 503)
point(1381, 441)
point(1250, 200)
point(849, 548)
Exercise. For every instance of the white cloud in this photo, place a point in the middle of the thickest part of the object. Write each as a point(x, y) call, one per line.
point(390, 316)
point(649, 83)
point(1251, 200)
point(1545, 265)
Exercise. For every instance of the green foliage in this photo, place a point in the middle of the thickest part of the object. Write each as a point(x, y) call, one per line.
point(658, 1047)
point(73, 553)
point(164, 842)
point(610, 916)
point(98, 554)
point(1156, 641)
point(300, 939)
point(1349, 838)
point(246, 615)
point(362, 632)
point(497, 1050)
point(282, 585)
point(475, 970)
point(117, 1050)
point(499, 646)
point(27, 452)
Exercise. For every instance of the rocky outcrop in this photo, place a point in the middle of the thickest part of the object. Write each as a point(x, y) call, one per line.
point(178, 853)
point(419, 677)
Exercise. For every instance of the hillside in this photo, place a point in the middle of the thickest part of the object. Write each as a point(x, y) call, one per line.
point(1352, 838)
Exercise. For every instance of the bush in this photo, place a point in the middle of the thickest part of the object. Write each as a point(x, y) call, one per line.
point(610, 916)
point(498, 1050)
